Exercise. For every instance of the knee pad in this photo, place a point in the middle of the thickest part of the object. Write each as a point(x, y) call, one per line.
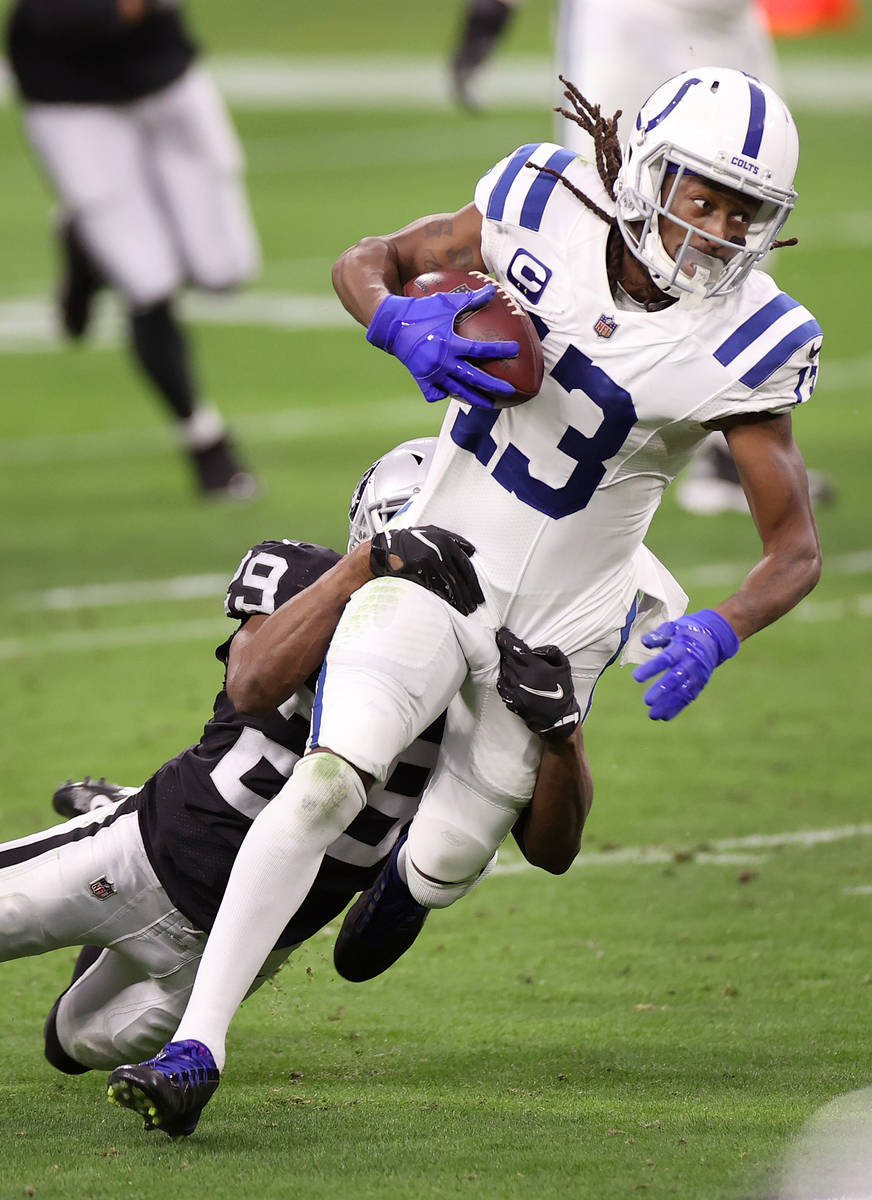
point(328, 790)
point(443, 849)
point(434, 893)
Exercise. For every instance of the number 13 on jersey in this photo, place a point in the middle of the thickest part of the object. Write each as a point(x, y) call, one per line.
point(573, 371)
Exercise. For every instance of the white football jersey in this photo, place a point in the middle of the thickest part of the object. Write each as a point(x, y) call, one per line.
point(557, 494)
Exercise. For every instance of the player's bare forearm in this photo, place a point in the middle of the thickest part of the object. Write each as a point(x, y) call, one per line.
point(378, 266)
point(775, 480)
point(272, 656)
point(550, 828)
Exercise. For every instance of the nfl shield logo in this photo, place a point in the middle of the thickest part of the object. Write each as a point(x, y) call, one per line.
point(605, 326)
point(102, 888)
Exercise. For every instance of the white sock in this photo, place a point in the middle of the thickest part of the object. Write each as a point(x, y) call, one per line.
point(274, 870)
point(203, 428)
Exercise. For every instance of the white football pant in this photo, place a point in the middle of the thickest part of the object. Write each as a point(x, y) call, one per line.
point(154, 187)
point(88, 881)
point(618, 53)
point(399, 656)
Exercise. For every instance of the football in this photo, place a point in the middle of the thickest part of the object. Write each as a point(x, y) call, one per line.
point(501, 320)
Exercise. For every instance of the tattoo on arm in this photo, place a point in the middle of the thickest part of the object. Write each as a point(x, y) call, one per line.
point(447, 255)
point(461, 259)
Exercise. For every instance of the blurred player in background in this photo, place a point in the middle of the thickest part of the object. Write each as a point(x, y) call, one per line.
point(621, 51)
point(138, 146)
point(483, 24)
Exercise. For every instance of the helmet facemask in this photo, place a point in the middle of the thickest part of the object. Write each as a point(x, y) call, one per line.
point(388, 486)
point(710, 124)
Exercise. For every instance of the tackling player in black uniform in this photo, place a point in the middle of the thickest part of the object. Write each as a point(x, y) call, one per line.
point(138, 880)
point(140, 150)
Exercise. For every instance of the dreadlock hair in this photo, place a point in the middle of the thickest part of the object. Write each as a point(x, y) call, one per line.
point(608, 158)
point(604, 132)
point(607, 149)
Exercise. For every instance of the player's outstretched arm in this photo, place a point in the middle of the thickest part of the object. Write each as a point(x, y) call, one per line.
point(774, 477)
point(536, 685)
point(775, 481)
point(272, 656)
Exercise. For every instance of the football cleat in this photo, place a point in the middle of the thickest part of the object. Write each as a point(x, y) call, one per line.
point(221, 476)
point(380, 926)
point(80, 284)
point(170, 1090)
point(73, 799)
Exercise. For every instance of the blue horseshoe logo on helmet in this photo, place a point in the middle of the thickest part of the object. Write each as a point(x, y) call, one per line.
point(655, 121)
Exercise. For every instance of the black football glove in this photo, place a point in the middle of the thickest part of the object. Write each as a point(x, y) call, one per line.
point(433, 557)
point(537, 685)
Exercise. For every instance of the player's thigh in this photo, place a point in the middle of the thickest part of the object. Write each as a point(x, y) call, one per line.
point(487, 770)
point(197, 164)
point(94, 156)
point(397, 657)
point(87, 881)
point(483, 779)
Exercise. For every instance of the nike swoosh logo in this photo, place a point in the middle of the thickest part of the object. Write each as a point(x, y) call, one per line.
point(554, 694)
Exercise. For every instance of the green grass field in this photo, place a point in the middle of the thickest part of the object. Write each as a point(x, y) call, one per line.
point(661, 1020)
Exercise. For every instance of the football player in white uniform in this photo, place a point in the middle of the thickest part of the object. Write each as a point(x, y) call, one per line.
point(639, 276)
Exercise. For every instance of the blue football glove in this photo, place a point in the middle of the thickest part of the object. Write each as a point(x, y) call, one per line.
point(419, 331)
point(693, 646)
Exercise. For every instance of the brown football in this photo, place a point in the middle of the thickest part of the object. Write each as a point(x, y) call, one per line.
point(501, 320)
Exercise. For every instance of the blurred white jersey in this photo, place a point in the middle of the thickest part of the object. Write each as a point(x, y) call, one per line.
point(618, 53)
point(557, 494)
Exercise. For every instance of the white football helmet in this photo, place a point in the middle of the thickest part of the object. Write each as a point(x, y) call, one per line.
point(735, 132)
point(386, 486)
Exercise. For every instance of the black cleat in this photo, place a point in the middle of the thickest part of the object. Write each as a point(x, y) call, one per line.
point(170, 1090)
point(80, 283)
point(74, 799)
point(379, 927)
point(220, 474)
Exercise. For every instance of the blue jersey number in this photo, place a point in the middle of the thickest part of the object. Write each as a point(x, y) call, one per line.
point(574, 372)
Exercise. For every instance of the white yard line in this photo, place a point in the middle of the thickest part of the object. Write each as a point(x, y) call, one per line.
point(195, 587)
point(264, 81)
point(29, 325)
point(87, 641)
point(125, 637)
point(292, 425)
point(725, 852)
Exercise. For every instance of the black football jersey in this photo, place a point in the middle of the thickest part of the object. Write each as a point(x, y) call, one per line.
point(195, 811)
point(82, 52)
